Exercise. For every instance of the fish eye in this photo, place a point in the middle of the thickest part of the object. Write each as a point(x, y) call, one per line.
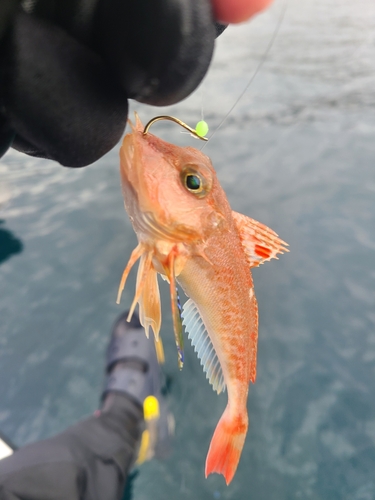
point(197, 182)
point(193, 183)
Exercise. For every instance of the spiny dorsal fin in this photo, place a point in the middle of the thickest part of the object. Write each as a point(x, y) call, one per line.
point(202, 344)
point(259, 242)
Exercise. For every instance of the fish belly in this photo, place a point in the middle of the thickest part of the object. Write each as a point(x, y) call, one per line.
point(229, 312)
point(228, 309)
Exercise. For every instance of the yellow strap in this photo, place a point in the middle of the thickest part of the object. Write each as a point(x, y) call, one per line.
point(145, 441)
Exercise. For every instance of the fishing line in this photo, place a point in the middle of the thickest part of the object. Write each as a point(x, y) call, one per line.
point(260, 64)
point(202, 101)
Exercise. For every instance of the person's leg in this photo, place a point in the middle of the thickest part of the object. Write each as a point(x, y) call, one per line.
point(88, 461)
point(91, 459)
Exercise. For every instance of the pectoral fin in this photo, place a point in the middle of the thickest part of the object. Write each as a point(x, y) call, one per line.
point(149, 304)
point(147, 290)
point(259, 242)
point(150, 310)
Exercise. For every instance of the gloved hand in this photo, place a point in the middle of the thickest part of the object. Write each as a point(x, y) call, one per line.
point(67, 68)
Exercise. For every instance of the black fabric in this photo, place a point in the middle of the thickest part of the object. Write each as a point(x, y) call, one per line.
point(89, 461)
point(7, 11)
point(60, 97)
point(67, 68)
point(160, 49)
point(6, 134)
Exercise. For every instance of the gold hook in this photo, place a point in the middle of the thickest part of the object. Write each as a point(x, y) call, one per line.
point(172, 119)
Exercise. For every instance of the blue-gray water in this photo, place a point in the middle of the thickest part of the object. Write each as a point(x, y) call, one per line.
point(298, 153)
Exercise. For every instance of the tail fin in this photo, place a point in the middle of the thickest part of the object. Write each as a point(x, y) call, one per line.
point(226, 445)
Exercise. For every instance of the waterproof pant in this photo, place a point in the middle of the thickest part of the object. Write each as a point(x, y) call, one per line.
point(88, 461)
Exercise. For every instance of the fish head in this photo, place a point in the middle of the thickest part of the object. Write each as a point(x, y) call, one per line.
point(170, 192)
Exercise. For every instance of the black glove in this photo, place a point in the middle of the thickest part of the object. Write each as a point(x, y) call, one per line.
point(69, 66)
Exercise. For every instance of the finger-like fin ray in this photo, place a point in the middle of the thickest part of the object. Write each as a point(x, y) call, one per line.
point(143, 272)
point(176, 309)
point(136, 254)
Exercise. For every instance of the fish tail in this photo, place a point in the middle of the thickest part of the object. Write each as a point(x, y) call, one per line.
point(226, 444)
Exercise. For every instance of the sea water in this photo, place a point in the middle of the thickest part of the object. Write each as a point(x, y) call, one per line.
point(298, 154)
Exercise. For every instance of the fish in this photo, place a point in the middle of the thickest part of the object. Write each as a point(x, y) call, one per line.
point(188, 233)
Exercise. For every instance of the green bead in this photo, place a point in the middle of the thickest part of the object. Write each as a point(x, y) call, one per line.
point(201, 128)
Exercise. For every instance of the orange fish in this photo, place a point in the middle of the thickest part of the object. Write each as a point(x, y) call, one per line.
point(188, 233)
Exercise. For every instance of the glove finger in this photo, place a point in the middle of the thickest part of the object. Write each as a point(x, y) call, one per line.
point(160, 49)
point(6, 135)
point(219, 28)
point(59, 96)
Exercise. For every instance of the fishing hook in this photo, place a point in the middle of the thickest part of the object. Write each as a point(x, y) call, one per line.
point(172, 119)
